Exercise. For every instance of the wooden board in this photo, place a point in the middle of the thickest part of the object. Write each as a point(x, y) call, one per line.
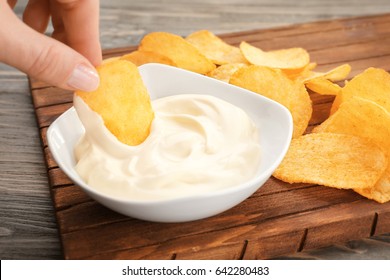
point(278, 219)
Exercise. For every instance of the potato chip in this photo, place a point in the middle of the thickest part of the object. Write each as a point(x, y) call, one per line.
point(311, 66)
point(215, 49)
point(143, 57)
point(274, 84)
point(182, 53)
point(224, 72)
point(364, 118)
point(269, 82)
point(300, 74)
point(293, 58)
point(122, 101)
point(372, 84)
point(110, 59)
point(301, 109)
point(334, 75)
point(336, 160)
point(323, 86)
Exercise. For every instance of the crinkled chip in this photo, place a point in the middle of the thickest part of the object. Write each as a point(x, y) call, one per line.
point(300, 74)
point(372, 84)
point(301, 109)
point(224, 72)
point(337, 74)
point(274, 84)
point(215, 48)
point(122, 100)
point(323, 86)
point(336, 160)
point(367, 119)
point(143, 57)
point(360, 117)
point(176, 48)
point(293, 58)
point(269, 82)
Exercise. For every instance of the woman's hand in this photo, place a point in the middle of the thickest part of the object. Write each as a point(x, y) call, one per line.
point(67, 59)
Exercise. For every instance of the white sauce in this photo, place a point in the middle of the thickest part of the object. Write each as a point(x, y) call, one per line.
point(197, 144)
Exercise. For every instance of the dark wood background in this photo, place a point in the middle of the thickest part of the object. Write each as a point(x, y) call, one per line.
point(28, 229)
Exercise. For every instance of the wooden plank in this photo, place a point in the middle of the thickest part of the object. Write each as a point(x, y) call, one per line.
point(50, 96)
point(49, 160)
point(252, 210)
point(275, 245)
point(58, 178)
point(278, 219)
point(256, 210)
point(46, 115)
point(69, 195)
point(291, 31)
point(343, 223)
point(383, 223)
point(329, 38)
point(43, 134)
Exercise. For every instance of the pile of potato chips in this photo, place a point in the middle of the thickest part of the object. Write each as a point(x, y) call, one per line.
point(350, 150)
point(281, 75)
point(362, 109)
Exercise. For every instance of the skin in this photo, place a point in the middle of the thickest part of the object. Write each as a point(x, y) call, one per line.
point(74, 44)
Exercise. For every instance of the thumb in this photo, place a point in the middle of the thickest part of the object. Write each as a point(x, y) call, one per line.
point(42, 57)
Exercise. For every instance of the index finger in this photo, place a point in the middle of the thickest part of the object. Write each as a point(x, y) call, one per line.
point(80, 19)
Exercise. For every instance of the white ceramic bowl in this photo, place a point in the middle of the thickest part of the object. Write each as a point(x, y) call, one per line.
point(272, 119)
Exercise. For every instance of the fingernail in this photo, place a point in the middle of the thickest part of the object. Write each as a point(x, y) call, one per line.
point(84, 78)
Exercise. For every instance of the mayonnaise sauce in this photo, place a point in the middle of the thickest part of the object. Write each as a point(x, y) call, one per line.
point(197, 144)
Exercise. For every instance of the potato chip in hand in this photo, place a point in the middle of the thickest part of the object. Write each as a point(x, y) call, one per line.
point(122, 100)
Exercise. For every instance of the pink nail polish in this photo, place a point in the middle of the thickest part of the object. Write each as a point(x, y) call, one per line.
point(84, 78)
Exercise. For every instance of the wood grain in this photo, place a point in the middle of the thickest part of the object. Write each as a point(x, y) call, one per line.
point(278, 219)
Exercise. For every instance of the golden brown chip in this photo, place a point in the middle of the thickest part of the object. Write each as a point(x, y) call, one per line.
point(360, 117)
point(367, 119)
point(224, 72)
point(293, 58)
point(110, 59)
point(300, 74)
point(337, 74)
point(372, 84)
point(176, 48)
point(143, 57)
point(301, 109)
point(323, 86)
point(274, 84)
point(269, 82)
point(122, 101)
point(311, 66)
point(215, 48)
point(335, 160)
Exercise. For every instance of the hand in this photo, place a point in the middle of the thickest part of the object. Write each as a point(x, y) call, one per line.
point(67, 59)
